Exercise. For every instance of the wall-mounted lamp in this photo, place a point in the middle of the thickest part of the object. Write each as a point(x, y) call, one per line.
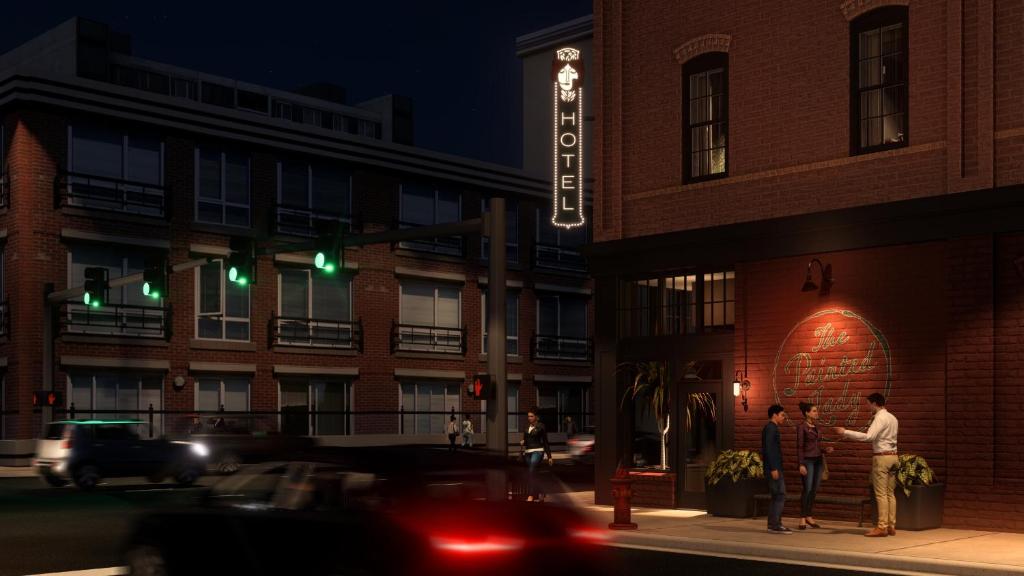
point(740, 387)
point(826, 278)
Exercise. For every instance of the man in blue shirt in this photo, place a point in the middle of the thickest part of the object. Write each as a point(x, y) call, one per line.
point(771, 453)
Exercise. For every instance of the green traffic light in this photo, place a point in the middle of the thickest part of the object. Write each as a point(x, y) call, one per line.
point(242, 280)
point(233, 274)
point(329, 268)
point(155, 295)
point(87, 298)
point(95, 304)
point(320, 260)
point(145, 289)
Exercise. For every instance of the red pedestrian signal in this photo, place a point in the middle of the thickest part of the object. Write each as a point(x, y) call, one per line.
point(480, 389)
point(45, 398)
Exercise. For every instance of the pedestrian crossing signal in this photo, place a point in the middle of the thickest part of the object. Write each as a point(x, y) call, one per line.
point(480, 387)
point(46, 398)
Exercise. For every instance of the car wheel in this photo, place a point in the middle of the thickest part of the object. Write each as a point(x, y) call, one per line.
point(87, 477)
point(54, 481)
point(229, 464)
point(146, 561)
point(187, 475)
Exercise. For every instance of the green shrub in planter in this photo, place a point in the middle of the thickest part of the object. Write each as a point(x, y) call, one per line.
point(913, 471)
point(732, 480)
point(919, 499)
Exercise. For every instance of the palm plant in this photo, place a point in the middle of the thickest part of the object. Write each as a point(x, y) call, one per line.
point(650, 385)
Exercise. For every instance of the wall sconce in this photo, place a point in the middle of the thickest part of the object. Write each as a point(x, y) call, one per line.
point(740, 386)
point(826, 279)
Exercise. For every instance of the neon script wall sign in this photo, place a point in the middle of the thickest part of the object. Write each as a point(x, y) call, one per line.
point(567, 82)
point(833, 358)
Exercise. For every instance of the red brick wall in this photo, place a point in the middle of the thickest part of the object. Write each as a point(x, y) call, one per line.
point(789, 111)
point(35, 254)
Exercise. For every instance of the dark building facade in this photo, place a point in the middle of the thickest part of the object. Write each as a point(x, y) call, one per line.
point(110, 159)
point(743, 149)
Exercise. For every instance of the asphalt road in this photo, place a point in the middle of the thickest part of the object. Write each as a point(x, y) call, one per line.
point(45, 530)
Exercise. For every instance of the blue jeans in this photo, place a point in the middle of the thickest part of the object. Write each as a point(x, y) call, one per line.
point(533, 459)
point(777, 488)
point(811, 482)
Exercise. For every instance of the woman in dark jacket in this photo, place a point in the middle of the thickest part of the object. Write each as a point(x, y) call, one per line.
point(535, 448)
point(811, 457)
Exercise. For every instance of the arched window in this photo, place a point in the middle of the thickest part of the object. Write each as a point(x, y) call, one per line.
point(705, 116)
point(878, 80)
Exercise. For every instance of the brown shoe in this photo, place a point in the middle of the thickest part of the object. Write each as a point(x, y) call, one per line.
point(877, 533)
point(892, 531)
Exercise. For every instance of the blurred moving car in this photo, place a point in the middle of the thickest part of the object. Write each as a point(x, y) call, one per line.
point(236, 441)
point(85, 451)
point(581, 446)
point(401, 515)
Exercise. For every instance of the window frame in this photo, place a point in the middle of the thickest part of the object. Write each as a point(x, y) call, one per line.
point(435, 286)
point(416, 397)
point(197, 295)
point(431, 246)
point(223, 201)
point(158, 422)
point(697, 65)
point(511, 242)
point(220, 380)
point(311, 381)
point(315, 213)
point(878, 18)
point(483, 322)
point(559, 296)
point(652, 309)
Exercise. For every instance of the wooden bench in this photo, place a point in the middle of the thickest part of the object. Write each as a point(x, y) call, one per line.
point(821, 499)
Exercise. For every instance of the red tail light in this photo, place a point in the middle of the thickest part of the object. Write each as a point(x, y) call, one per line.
point(66, 444)
point(471, 546)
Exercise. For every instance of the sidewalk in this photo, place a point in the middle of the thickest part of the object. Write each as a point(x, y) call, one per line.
point(17, 471)
point(836, 545)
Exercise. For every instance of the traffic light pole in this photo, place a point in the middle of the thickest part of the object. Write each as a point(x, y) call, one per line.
point(47, 411)
point(497, 409)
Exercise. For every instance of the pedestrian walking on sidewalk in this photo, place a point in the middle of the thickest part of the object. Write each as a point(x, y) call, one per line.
point(771, 454)
point(535, 448)
point(453, 432)
point(811, 456)
point(884, 462)
point(467, 432)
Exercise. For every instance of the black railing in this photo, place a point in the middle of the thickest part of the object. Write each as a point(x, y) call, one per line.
point(116, 320)
point(558, 258)
point(5, 317)
point(554, 347)
point(301, 221)
point(111, 194)
point(316, 333)
point(412, 338)
point(448, 245)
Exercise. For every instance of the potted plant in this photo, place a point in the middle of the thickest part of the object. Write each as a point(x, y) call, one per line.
point(919, 499)
point(732, 480)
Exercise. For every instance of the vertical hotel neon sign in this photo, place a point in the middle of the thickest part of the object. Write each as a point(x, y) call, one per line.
point(567, 81)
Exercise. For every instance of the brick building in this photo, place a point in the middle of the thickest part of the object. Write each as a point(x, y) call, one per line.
point(110, 159)
point(737, 143)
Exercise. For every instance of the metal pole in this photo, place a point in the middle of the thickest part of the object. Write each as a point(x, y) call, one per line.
point(497, 411)
point(47, 411)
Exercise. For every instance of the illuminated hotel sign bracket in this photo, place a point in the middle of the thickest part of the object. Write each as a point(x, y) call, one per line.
point(567, 82)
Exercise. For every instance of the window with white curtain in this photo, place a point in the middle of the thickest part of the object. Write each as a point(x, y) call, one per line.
point(315, 309)
point(229, 392)
point(222, 307)
point(300, 396)
point(431, 404)
point(117, 395)
point(431, 317)
point(223, 187)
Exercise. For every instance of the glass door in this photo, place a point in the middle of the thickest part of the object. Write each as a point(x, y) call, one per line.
point(699, 406)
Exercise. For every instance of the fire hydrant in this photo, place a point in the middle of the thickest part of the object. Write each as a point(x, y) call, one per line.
point(622, 492)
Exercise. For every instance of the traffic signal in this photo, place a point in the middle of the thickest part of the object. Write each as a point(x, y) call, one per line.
point(154, 277)
point(96, 286)
point(329, 246)
point(45, 398)
point(480, 388)
point(241, 263)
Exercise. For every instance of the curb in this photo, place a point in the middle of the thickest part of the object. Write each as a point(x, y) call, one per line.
point(858, 561)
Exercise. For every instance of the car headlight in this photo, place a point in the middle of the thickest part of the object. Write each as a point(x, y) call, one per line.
point(200, 449)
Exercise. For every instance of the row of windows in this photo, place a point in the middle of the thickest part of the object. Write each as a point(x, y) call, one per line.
point(311, 307)
point(120, 171)
point(130, 396)
point(878, 95)
point(677, 305)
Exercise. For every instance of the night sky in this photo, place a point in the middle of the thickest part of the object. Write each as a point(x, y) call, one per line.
point(455, 59)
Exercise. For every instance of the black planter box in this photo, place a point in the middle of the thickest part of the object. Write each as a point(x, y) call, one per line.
point(733, 499)
point(922, 510)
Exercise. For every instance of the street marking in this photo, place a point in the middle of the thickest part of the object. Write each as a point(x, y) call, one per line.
point(111, 571)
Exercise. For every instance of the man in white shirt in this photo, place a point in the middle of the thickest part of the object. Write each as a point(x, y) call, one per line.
point(882, 435)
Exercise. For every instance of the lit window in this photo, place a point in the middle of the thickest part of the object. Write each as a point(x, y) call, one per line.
point(879, 75)
point(706, 108)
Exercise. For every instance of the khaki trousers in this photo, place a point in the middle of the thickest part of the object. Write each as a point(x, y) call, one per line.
point(884, 484)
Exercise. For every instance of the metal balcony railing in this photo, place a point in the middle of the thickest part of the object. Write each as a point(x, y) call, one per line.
point(316, 333)
point(449, 246)
point(558, 258)
point(554, 347)
point(301, 221)
point(412, 338)
point(116, 320)
point(111, 195)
